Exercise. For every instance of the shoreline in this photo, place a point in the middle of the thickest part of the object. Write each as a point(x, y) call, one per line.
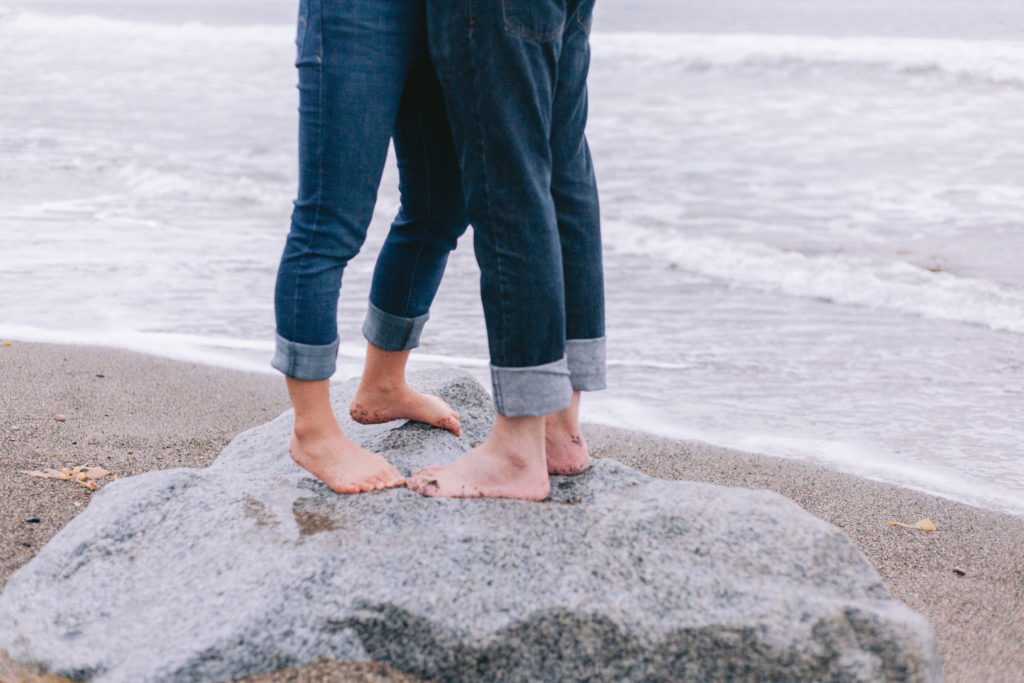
point(131, 413)
point(252, 358)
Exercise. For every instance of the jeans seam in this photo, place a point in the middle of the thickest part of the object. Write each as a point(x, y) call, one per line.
point(319, 180)
point(487, 194)
point(584, 25)
point(426, 222)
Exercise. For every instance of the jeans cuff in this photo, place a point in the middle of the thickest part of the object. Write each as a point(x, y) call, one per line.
point(311, 362)
point(393, 332)
point(530, 391)
point(587, 364)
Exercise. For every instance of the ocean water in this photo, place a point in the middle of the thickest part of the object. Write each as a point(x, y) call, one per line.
point(813, 215)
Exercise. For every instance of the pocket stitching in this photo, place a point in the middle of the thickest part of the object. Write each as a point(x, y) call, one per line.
point(516, 30)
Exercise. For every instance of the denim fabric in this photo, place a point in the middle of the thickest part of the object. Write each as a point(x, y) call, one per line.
point(303, 360)
point(513, 74)
point(364, 76)
point(586, 361)
point(536, 390)
point(393, 332)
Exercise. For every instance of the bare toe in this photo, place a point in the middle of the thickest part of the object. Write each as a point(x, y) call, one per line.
point(426, 471)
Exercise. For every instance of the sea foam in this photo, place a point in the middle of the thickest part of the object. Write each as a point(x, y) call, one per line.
point(870, 281)
point(991, 61)
point(1000, 62)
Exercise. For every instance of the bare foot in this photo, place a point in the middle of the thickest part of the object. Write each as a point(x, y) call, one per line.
point(346, 467)
point(564, 445)
point(510, 464)
point(376, 404)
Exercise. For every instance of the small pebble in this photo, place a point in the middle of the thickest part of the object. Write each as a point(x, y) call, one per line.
point(32, 520)
point(101, 375)
point(959, 571)
point(26, 545)
point(59, 418)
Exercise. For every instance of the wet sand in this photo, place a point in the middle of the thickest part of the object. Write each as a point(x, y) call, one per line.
point(131, 413)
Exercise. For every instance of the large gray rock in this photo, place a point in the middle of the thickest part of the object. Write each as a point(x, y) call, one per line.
point(251, 565)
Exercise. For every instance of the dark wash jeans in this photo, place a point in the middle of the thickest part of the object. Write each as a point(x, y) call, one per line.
point(364, 77)
point(514, 76)
point(363, 74)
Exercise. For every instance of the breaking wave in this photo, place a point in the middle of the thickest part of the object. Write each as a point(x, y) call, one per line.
point(841, 278)
point(999, 62)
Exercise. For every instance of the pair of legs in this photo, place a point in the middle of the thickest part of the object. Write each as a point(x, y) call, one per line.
point(365, 77)
point(513, 73)
point(363, 74)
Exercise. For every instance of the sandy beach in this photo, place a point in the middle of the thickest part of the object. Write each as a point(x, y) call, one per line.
point(62, 406)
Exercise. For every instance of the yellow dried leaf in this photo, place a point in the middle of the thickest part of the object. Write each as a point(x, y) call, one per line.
point(76, 470)
point(66, 471)
point(96, 472)
point(89, 484)
point(81, 476)
point(59, 418)
point(8, 343)
point(921, 525)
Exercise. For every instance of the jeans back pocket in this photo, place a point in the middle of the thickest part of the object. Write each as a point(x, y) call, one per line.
point(538, 20)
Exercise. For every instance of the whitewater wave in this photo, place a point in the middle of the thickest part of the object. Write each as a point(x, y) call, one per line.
point(141, 181)
point(999, 62)
point(862, 458)
point(986, 61)
point(841, 278)
point(77, 26)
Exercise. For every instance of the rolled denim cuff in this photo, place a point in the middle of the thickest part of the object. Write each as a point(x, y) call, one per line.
point(535, 390)
point(393, 332)
point(587, 364)
point(311, 362)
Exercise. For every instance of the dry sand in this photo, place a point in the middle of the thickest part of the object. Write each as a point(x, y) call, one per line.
point(132, 413)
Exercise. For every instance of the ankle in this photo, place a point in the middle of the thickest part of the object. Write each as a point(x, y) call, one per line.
point(520, 441)
point(381, 385)
point(562, 422)
point(312, 429)
point(567, 420)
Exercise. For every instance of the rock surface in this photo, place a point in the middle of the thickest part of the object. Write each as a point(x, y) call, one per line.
point(251, 565)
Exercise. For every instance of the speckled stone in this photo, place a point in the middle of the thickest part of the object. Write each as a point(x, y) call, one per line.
point(251, 565)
